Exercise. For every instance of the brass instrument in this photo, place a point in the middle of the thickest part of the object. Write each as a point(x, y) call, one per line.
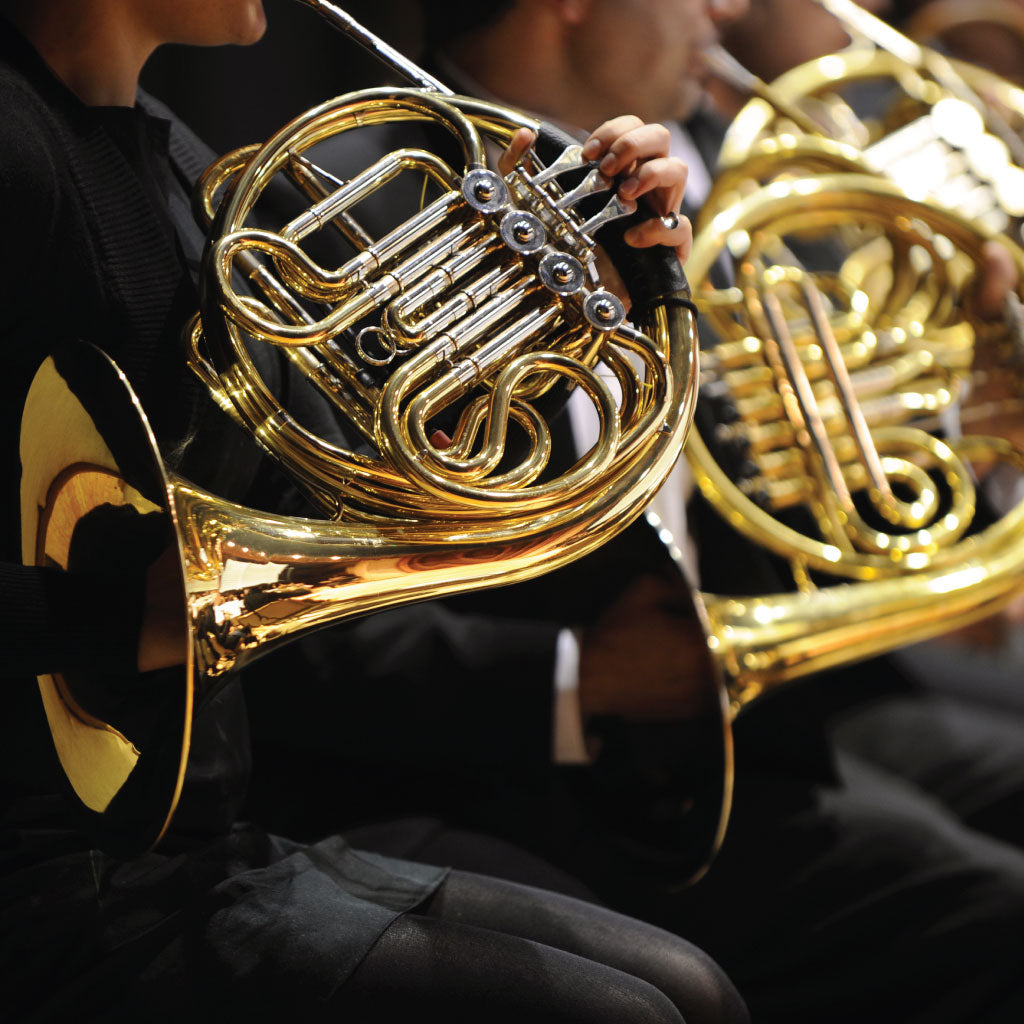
point(855, 368)
point(852, 387)
point(486, 306)
point(943, 130)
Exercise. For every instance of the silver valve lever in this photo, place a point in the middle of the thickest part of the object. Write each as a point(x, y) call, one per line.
point(592, 184)
point(614, 209)
point(570, 159)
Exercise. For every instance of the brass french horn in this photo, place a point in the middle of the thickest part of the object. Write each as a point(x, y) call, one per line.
point(843, 381)
point(488, 307)
point(850, 387)
point(943, 129)
point(859, 378)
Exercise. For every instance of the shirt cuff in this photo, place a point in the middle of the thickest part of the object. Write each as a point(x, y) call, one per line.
point(569, 745)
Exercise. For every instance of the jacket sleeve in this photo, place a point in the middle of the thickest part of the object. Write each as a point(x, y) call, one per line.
point(420, 684)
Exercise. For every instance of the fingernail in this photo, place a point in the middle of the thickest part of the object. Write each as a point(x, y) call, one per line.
point(591, 148)
point(629, 186)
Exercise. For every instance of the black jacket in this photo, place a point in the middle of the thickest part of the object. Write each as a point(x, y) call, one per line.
point(99, 245)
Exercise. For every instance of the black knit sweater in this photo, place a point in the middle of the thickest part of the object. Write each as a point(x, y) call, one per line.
point(97, 245)
point(92, 202)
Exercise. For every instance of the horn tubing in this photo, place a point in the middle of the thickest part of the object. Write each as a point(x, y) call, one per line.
point(884, 36)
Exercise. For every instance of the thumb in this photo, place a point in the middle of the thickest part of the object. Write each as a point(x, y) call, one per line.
point(999, 275)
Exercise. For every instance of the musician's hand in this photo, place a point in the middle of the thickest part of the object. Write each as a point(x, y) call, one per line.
point(646, 659)
point(999, 275)
point(993, 403)
point(163, 638)
point(627, 146)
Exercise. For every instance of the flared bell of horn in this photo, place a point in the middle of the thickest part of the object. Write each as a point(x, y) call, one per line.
point(251, 581)
point(865, 398)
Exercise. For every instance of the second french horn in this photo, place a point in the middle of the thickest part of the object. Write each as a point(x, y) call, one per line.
point(942, 129)
point(863, 388)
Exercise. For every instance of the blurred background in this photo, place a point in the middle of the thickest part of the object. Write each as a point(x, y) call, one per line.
point(236, 95)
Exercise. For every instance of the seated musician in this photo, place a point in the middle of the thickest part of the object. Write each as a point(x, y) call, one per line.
point(223, 919)
point(846, 888)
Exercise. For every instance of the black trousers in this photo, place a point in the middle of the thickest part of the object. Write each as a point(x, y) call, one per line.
point(873, 866)
point(886, 893)
point(891, 891)
point(484, 949)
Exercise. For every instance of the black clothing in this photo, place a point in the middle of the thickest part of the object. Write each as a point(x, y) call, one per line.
point(222, 919)
point(849, 886)
point(99, 206)
point(544, 977)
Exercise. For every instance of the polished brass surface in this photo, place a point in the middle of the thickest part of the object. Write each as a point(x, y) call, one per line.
point(864, 391)
point(471, 329)
point(943, 129)
point(440, 344)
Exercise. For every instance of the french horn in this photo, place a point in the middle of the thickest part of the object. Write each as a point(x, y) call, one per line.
point(851, 390)
point(859, 382)
point(487, 306)
point(848, 387)
point(943, 129)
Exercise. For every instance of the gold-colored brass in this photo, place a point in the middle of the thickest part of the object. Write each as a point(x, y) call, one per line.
point(943, 129)
point(476, 336)
point(487, 306)
point(861, 382)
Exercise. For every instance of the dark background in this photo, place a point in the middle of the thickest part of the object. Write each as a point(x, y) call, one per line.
point(234, 95)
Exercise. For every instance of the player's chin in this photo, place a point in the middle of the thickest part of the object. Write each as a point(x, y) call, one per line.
point(251, 23)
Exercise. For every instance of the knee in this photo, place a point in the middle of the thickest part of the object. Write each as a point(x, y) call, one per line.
point(702, 992)
point(631, 1000)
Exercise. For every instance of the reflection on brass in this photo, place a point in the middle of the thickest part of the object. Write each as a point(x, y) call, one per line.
point(943, 129)
point(853, 358)
point(439, 343)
